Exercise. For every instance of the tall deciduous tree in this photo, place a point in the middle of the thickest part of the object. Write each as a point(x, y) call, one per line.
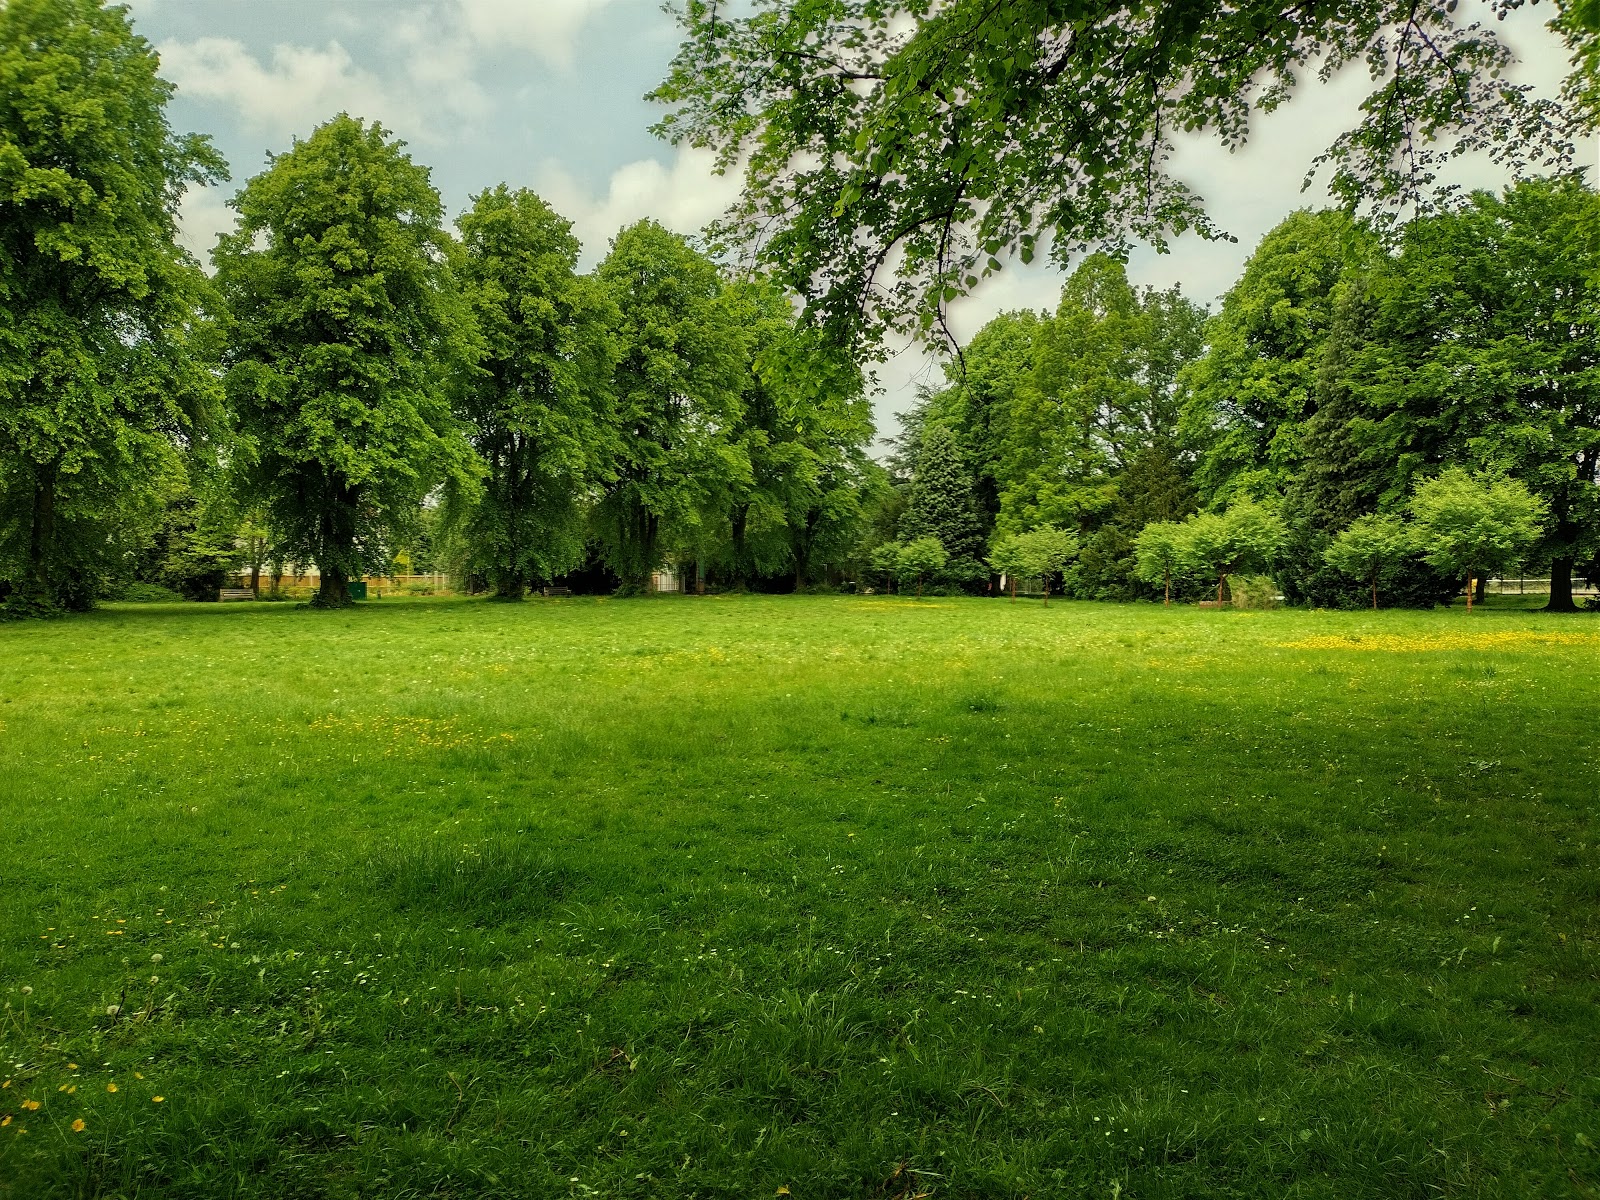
point(985, 385)
point(939, 136)
point(1482, 347)
point(1103, 393)
point(98, 374)
point(803, 425)
point(678, 379)
point(1252, 394)
point(538, 408)
point(344, 327)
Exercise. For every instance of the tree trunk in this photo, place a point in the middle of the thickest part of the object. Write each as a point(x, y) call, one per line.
point(738, 521)
point(255, 578)
point(1483, 583)
point(1470, 583)
point(1167, 603)
point(1047, 591)
point(333, 589)
point(35, 588)
point(1374, 593)
point(1561, 586)
point(1221, 581)
point(509, 586)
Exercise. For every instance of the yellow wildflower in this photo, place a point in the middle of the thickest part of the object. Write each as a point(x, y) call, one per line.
point(111, 1087)
point(77, 1126)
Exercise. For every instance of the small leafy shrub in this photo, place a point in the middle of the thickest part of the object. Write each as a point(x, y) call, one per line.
point(148, 593)
point(1254, 591)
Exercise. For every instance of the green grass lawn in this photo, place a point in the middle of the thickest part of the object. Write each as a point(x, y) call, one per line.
point(853, 897)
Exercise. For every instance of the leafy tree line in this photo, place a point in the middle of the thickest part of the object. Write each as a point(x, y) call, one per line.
point(359, 382)
point(1343, 371)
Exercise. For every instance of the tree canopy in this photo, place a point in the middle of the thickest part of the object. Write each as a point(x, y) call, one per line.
point(344, 327)
point(681, 357)
point(99, 308)
point(892, 151)
point(1474, 523)
point(538, 406)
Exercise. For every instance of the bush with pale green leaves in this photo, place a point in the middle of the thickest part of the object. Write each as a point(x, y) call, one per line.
point(1161, 551)
point(919, 558)
point(1472, 524)
point(1367, 546)
point(1045, 553)
point(1246, 537)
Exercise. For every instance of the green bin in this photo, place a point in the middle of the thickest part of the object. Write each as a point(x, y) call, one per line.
point(358, 589)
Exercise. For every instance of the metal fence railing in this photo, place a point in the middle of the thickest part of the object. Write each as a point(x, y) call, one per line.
point(1529, 585)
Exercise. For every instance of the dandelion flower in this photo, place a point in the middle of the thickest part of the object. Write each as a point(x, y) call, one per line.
point(5, 1120)
point(155, 958)
point(113, 1010)
point(157, 1099)
point(77, 1126)
point(26, 990)
point(31, 1105)
point(111, 1087)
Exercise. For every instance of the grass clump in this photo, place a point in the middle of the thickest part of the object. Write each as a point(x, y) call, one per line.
point(499, 878)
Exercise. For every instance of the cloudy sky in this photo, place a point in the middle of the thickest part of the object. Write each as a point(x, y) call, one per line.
point(549, 94)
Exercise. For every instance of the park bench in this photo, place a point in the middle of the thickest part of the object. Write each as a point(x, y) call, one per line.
point(236, 594)
point(555, 591)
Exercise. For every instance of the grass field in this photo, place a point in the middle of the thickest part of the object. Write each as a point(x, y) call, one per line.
point(818, 897)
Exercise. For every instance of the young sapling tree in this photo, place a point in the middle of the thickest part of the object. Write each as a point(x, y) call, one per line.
point(1247, 536)
point(1161, 549)
point(919, 556)
point(1367, 546)
point(1046, 552)
point(1469, 524)
point(1006, 559)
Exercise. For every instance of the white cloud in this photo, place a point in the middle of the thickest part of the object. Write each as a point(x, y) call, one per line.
point(438, 63)
point(549, 28)
point(301, 87)
point(202, 215)
point(684, 197)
